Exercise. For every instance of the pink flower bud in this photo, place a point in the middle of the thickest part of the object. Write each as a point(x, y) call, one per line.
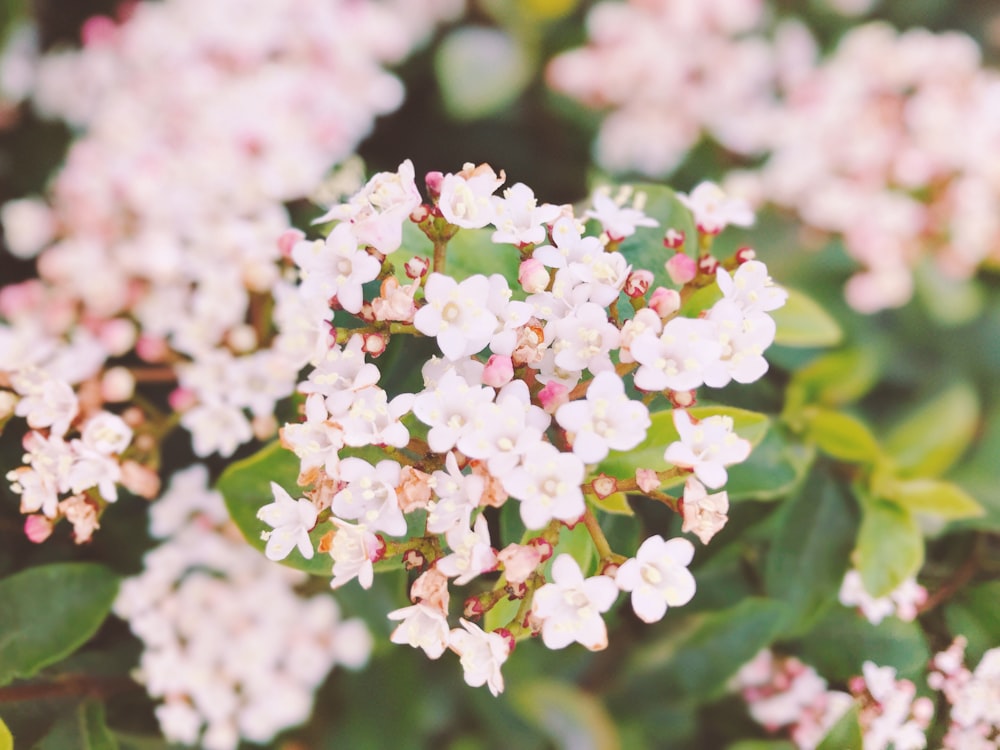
point(117, 336)
point(532, 276)
point(499, 371)
point(97, 30)
point(638, 282)
point(604, 485)
point(373, 343)
point(287, 240)
point(433, 181)
point(665, 302)
point(37, 528)
point(473, 608)
point(431, 587)
point(553, 395)
point(681, 268)
point(744, 254)
point(152, 348)
point(416, 267)
point(140, 480)
point(264, 426)
point(673, 239)
point(519, 561)
point(647, 480)
point(182, 399)
point(707, 264)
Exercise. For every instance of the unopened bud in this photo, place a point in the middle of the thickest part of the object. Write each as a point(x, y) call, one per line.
point(638, 282)
point(499, 371)
point(420, 213)
point(433, 180)
point(610, 570)
point(647, 480)
point(152, 348)
point(37, 528)
point(532, 276)
point(664, 302)
point(744, 254)
point(707, 264)
point(681, 268)
point(682, 399)
point(416, 267)
point(604, 486)
point(140, 480)
point(117, 336)
point(553, 395)
point(264, 426)
point(473, 608)
point(673, 239)
point(288, 239)
point(373, 343)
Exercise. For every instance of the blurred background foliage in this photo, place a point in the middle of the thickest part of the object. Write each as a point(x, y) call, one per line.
point(878, 441)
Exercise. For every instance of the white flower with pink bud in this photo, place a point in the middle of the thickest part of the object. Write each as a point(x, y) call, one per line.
point(570, 607)
point(657, 577)
point(354, 549)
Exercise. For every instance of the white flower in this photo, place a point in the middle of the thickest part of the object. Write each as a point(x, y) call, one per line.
point(606, 420)
point(713, 210)
point(106, 433)
point(336, 267)
point(458, 495)
point(583, 339)
point(518, 217)
point(568, 245)
point(316, 441)
point(548, 485)
point(216, 428)
point(457, 314)
point(370, 495)
point(423, 626)
point(743, 339)
point(371, 419)
point(704, 515)
point(465, 198)
point(449, 410)
point(706, 447)
point(570, 607)
point(482, 654)
point(354, 550)
point(658, 576)
point(751, 288)
point(291, 521)
point(472, 552)
point(676, 358)
point(45, 401)
point(619, 221)
point(904, 601)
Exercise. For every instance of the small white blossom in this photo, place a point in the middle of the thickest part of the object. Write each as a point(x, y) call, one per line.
point(472, 552)
point(678, 357)
point(606, 420)
point(482, 654)
point(704, 515)
point(707, 447)
point(370, 495)
point(354, 550)
point(547, 483)
point(291, 521)
point(518, 217)
point(713, 210)
point(336, 267)
point(569, 608)
point(658, 577)
point(466, 198)
point(457, 314)
point(423, 626)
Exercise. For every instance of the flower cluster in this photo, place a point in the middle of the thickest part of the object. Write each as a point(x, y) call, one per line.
point(229, 647)
point(860, 144)
point(537, 385)
point(903, 602)
point(973, 697)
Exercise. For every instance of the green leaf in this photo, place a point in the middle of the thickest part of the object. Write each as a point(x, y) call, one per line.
point(566, 714)
point(934, 496)
point(6, 739)
point(845, 734)
point(577, 543)
point(480, 71)
point(808, 558)
point(246, 488)
point(932, 438)
point(975, 614)
point(698, 665)
point(48, 612)
point(501, 614)
point(841, 436)
point(616, 503)
point(803, 323)
point(890, 546)
point(775, 467)
point(648, 454)
point(834, 379)
point(84, 728)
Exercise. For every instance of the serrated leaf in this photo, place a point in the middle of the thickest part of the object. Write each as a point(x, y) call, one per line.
point(808, 558)
point(48, 612)
point(749, 425)
point(933, 496)
point(83, 728)
point(569, 716)
point(841, 436)
point(801, 322)
point(975, 614)
point(934, 436)
point(845, 734)
point(890, 546)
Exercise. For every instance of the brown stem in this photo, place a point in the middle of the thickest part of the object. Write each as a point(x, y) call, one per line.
point(954, 584)
point(67, 685)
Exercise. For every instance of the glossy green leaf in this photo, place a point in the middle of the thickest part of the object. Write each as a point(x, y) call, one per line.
point(933, 496)
point(803, 323)
point(616, 502)
point(933, 437)
point(48, 612)
point(648, 454)
point(890, 546)
point(845, 734)
point(577, 543)
point(83, 729)
point(835, 378)
point(566, 714)
point(975, 614)
point(775, 467)
point(6, 739)
point(501, 614)
point(808, 558)
point(841, 436)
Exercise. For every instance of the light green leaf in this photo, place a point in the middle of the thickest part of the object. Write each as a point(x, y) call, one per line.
point(934, 496)
point(975, 614)
point(749, 425)
point(616, 503)
point(803, 323)
point(845, 734)
point(501, 614)
point(572, 719)
point(932, 438)
point(48, 612)
point(480, 70)
point(6, 739)
point(890, 546)
point(834, 379)
point(578, 544)
point(808, 558)
point(841, 436)
point(84, 729)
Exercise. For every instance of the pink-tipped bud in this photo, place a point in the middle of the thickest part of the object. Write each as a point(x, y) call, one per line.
point(140, 480)
point(417, 266)
point(152, 348)
point(604, 486)
point(420, 214)
point(288, 239)
point(708, 265)
point(681, 268)
point(647, 480)
point(373, 344)
point(664, 302)
point(182, 399)
point(682, 399)
point(744, 254)
point(610, 570)
point(673, 239)
point(473, 608)
point(553, 395)
point(97, 30)
point(37, 528)
point(434, 180)
point(499, 371)
point(519, 561)
point(533, 276)
point(638, 282)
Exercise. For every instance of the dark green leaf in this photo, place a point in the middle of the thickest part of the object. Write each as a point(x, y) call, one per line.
point(975, 614)
point(808, 559)
point(803, 323)
point(841, 436)
point(774, 468)
point(83, 729)
point(48, 612)
point(845, 734)
point(933, 437)
point(570, 717)
point(890, 546)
